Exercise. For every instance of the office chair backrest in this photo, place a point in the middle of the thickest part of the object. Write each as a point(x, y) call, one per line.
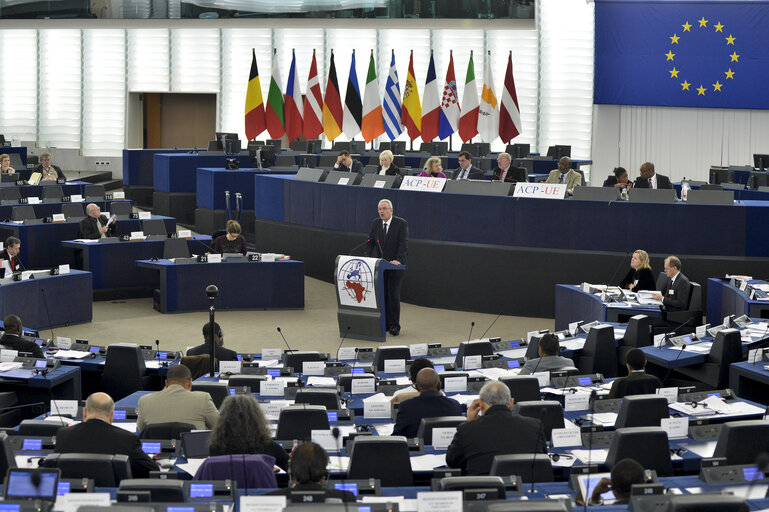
point(94, 192)
point(741, 441)
point(199, 365)
point(726, 349)
point(7, 457)
point(175, 248)
point(217, 390)
point(638, 332)
point(123, 370)
point(249, 471)
point(427, 425)
point(647, 445)
point(161, 490)
point(23, 212)
point(10, 194)
point(252, 382)
point(73, 210)
point(53, 192)
point(695, 297)
point(382, 457)
point(325, 397)
point(642, 411)
point(344, 380)
point(599, 354)
point(520, 174)
point(39, 427)
point(472, 348)
point(394, 352)
point(167, 430)
point(638, 385)
point(460, 483)
point(662, 281)
point(105, 470)
point(297, 358)
point(154, 227)
point(549, 412)
point(523, 388)
point(298, 421)
point(121, 208)
point(531, 467)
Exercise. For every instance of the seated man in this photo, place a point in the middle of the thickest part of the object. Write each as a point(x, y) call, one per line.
point(428, 404)
point(95, 225)
point(565, 174)
point(12, 339)
point(9, 257)
point(410, 392)
point(624, 475)
point(467, 171)
point(48, 171)
point(503, 171)
point(650, 179)
point(96, 434)
point(177, 402)
point(307, 471)
point(493, 429)
point(220, 353)
point(345, 163)
point(548, 357)
point(636, 367)
point(675, 292)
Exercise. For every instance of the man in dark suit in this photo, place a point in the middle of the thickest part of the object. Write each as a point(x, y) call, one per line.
point(650, 179)
point(389, 240)
point(308, 473)
point(493, 429)
point(467, 171)
point(504, 170)
point(428, 404)
point(12, 338)
point(637, 382)
point(48, 171)
point(675, 293)
point(95, 225)
point(345, 163)
point(11, 255)
point(220, 353)
point(96, 434)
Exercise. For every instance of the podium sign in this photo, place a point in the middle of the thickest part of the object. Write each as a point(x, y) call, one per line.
point(540, 190)
point(423, 183)
point(355, 282)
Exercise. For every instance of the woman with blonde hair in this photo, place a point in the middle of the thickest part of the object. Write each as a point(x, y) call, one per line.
point(386, 165)
point(640, 276)
point(5, 164)
point(233, 241)
point(433, 168)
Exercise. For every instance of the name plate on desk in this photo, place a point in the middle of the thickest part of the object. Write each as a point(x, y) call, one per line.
point(214, 258)
point(118, 195)
point(442, 437)
point(76, 198)
point(33, 200)
point(701, 330)
point(272, 388)
point(63, 269)
point(63, 343)
point(58, 217)
point(472, 362)
point(137, 235)
point(325, 439)
point(543, 378)
point(64, 408)
point(184, 233)
point(576, 402)
point(313, 367)
point(145, 215)
point(347, 353)
point(418, 350)
point(7, 355)
point(229, 367)
point(262, 503)
point(670, 393)
point(374, 409)
point(423, 183)
point(395, 366)
point(675, 427)
point(75, 500)
point(540, 190)
point(444, 501)
point(455, 384)
point(566, 437)
point(272, 353)
point(359, 386)
point(659, 340)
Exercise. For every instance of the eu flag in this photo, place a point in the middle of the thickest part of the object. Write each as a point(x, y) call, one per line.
point(711, 54)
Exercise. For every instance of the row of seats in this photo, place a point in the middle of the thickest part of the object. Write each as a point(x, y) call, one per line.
point(122, 209)
point(52, 194)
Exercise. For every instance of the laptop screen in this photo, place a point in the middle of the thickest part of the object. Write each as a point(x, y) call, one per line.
point(22, 484)
point(195, 444)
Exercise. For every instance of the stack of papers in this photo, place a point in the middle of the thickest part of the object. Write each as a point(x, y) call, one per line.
point(71, 354)
point(594, 456)
point(606, 419)
point(11, 365)
point(428, 462)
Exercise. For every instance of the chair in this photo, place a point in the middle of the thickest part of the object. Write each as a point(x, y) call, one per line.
point(326, 161)
point(709, 186)
point(124, 371)
point(692, 314)
point(199, 365)
point(10, 417)
point(7, 457)
point(524, 388)
point(39, 428)
point(122, 209)
point(741, 441)
point(394, 352)
point(549, 412)
point(638, 385)
point(599, 354)
point(249, 471)
point(391, 456)
point(295, 359)
point(285, 161)
point(73, 210)
point(472, 348)
point(344, 380)
point(298, 421)
point(647, 445)
point(52, 194)
point(714, 372)
point(9, 195)
point(161, 490)
point(217, 390)
point(642, 411)
point(252, 382)
point(426, 426)
point(637, 334)
point(531, 467)
point(175, 248)
point(94, 193)
point(168, 430)
point(105, 470)
point(24, 212)
point(154, 227)
point(324, 397)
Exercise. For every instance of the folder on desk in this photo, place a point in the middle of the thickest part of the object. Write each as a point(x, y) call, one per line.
point(34, 179)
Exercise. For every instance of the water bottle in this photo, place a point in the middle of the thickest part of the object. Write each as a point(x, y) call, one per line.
point(684, 189)
point(623, 194)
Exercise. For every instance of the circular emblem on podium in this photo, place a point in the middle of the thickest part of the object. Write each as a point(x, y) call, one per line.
point(355, 282)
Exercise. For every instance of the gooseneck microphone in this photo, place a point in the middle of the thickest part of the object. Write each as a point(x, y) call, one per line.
point(490, 326)
point(472, 324)
point(340, 343)
point(542, 414)
point(593, 396)
point(673, 364)
point(368, 240)
point(47, 314)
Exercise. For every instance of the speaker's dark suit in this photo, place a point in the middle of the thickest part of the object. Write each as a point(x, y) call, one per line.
point(89, 229)
point(13, 342)
point(97, 436)
point(393, 246)
point(355, 167)
point(662, 182)
point(497, 432)
point(429, 404)
point(514, 174)
point(679, 299)
point(475, 173)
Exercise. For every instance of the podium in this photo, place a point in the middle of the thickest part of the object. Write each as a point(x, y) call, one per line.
point(360, 296)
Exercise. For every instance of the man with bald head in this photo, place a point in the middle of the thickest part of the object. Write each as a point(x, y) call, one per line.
point(96, 434)
point(95, 225)
point(565, 175)
point(428, 404)
point(650, 179)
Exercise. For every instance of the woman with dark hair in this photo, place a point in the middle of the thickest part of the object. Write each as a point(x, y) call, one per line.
point(619, 180)
point(242, 429)
point(640, 276)
point(233, 241)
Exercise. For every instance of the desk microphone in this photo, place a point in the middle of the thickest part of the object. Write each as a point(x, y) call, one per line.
point(672, 365)
point(492, 323)
point(340, 343)
point(157, 351)
point(472, 324)
point(593, 396)
point(542, 414)
point(368, 240)
point(667, 334)
point(619, 267)
point(47, 314)
point(381, 251)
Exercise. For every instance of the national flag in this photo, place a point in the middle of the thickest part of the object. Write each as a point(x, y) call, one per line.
point(392, 103)
point(274, 113)
point(373, 125)
point(509, 114)
point(488, 112)
point(255, 121)
point(449, 118)
point(293, 103)
point(313, 104)
point(332, 104)
point(468, 123)
point(431, 111)
point(352, 104)
point(411, 109)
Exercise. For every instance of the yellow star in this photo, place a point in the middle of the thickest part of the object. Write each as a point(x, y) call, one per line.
point(703, 22)
point(674, 39)
point(687, 27)
point(717, 86)
point(730, 40)
point(734, 56)
point(674, 73)
point(670, 55)
point(685, 85)
point(719, 27)
point(701, 90)
point(729, 74)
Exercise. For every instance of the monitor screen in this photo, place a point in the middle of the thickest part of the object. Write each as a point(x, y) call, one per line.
point(513, 363)
point(39, 342)
point(63, 488)
point(585, 381)
point(273, 372)
point(40, 363)
point(93, 350)
point(120, 414)
point(347, 486)
point(356, 371)
point(752, 474)
point(180, 509)
point(715, 394)
point(454, 350)
point(332, 416)
point(162, 355)
point(32, 444)
point(22, 485)
point(201, 490)
point(232, 391)
point(440, 368)
point(240, 357)
point(588, 482)
point(151, 448)
point(514, 344)
point(364, 508)
point(5, 507)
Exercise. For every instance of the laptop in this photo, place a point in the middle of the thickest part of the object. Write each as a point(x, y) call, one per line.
point(195, 444)
point(32, 485)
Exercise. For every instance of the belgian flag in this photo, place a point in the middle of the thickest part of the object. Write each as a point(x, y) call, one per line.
point(255, 119)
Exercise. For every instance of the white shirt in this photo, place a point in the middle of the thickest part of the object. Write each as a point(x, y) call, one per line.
point(654, 184)
point(384, 170)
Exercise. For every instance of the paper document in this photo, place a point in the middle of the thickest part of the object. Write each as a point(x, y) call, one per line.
point(191, 466)
point(111, 220)
point(606, 419)
point(71, 354)
point(385, 429)
point(594, 456)
point(427, 462)
point(11, 365)
point(86, 240)
point(338, 463)
point(327, 382)
point(704, 450)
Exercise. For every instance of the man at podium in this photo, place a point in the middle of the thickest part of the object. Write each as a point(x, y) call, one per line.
point(389, 239)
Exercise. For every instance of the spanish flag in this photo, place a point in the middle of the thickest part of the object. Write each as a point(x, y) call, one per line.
point(255, 121)
point(411, 108)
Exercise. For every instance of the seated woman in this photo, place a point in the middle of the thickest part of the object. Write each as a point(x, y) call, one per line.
point(433, 168)
point(386, 165)
point(243, 429)
point(5, 164)
point(640, 276)
point(233, 241)
point(619, 180)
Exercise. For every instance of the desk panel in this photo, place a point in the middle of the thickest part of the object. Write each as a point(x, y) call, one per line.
point(725, 299)
point(68, 299)
point(69, 188)
point(176, 172)
point(572, 304)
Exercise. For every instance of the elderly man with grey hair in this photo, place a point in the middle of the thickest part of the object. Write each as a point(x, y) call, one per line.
point(493, 429)
point(48, 171)
point(95, 225)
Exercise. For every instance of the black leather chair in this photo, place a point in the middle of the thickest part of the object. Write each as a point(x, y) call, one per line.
point(7, 457)
point(714, 372)
point(531, 467)
point(154, 227)
point(9, 195)
point(168, 430)
point(344, 380)
point(217, 390)
point(550, 412)
point(599, 354)
point(122, 209)
point(639, 385)
point(125, 371)
point(52, 194)
point(175, 248)
point(637, 334)
point(39, 428)
point(94, 192)
point(741, 441)
point(327, 398)
point(382, 457)
point(24, 212)
point(647, 445)
point(642, 411)
point(252, 382)
point(692, 314)
point(298, 421)
point(426, 426)
point(10, 417)
point(524, 388)
point(394, 352)
point(472, 348)
point(105, 470)
point(296, 358)
point(73, 211)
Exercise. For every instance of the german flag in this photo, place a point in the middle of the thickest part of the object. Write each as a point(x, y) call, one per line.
point(332, 105)
point(255, 120)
